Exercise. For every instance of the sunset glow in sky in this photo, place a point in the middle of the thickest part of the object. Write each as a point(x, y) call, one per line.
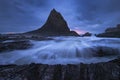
point(79, 31)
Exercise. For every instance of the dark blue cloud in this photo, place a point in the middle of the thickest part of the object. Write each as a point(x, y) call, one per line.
point(96, 15)
point(19, 15)
point(88, 15)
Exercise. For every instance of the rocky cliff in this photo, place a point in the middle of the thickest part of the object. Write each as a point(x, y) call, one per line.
point(54, 26)
point(111, 32)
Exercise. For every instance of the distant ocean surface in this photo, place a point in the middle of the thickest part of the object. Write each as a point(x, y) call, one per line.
point(65, 50)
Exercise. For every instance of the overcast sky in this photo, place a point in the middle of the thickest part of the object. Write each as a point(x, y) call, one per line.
point(84, 15)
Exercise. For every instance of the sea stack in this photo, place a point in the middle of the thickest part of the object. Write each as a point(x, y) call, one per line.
point(54, 26)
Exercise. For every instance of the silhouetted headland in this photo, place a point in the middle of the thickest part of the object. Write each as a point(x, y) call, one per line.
point(54, 26)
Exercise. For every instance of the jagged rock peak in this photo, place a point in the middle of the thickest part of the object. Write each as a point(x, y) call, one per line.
point(53, 11)
point(55, 23)
point(54, 26)
point(57, 20)
point(54, 15)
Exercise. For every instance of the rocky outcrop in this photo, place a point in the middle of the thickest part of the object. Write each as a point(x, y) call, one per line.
point(111, 32)
point(99, 71)
point(87, 34)
point(5, 37)
point(54, 26)
point(10, 42)
point(15, 45)
point(103, 51)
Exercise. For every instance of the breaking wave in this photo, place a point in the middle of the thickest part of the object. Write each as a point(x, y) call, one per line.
point(66, 50)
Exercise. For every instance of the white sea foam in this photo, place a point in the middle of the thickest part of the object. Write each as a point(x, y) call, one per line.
point(63, 50)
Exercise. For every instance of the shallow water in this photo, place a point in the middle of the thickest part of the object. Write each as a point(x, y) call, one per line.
point(64, 50)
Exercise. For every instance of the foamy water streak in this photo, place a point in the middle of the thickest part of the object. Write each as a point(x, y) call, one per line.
point(65, 50)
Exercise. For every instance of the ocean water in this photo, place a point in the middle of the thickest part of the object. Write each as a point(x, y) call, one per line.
point(65, 50)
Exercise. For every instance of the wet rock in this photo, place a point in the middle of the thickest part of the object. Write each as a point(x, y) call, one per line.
point(99, 71)
point(106, 51)
point(99, 51)
point(15, 45)
point(40, 38)
point(5, 37)
point(87, 34)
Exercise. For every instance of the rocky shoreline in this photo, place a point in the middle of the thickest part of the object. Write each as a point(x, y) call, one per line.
point(113, 32)
point(10, 42)
point(99, 71)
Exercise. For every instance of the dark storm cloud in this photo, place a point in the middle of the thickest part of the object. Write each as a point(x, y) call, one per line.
point(19, 15)
point(98, 14)
point(88, 15)
point(25, 15)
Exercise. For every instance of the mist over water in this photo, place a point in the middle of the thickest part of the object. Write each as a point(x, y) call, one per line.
point(65, 50)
